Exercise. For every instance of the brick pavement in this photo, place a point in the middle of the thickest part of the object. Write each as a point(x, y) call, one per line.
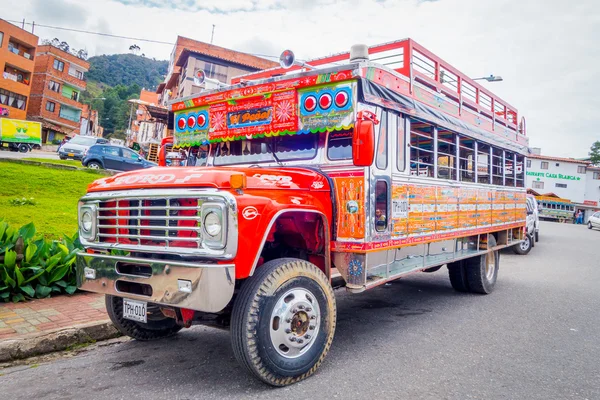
point(48, 314)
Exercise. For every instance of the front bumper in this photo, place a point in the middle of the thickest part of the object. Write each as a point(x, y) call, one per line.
point(212, 285)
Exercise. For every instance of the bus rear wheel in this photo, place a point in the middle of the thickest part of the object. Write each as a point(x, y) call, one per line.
point(482, 272)
point(476, 274)
point(283, 321)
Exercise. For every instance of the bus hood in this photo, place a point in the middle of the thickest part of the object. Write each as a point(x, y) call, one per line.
point(213, 177)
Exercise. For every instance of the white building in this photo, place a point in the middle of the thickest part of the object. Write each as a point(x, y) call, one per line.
point(592, 186)
point(567, 178)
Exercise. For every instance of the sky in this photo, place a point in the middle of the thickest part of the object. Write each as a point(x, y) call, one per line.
point(546, 50)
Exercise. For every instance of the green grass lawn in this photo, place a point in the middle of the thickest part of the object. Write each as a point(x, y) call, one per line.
point(74, 163)
point(55, 193)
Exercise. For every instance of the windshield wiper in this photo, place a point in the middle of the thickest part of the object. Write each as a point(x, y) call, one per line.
point(273, 153)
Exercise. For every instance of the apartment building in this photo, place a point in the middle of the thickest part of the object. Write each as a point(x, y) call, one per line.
point(58, 81)
point(218, 63)
point(17, 55)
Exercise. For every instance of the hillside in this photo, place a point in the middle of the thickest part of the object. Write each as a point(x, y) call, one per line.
point(126, 69)
point(114, 79)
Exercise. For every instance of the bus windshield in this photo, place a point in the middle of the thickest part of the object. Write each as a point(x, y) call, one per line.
point(260, 150)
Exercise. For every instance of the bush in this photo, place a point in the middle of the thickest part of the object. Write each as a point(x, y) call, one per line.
point(34, 267)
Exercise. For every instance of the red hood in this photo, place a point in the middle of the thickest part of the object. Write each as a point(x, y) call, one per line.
point(213, 177)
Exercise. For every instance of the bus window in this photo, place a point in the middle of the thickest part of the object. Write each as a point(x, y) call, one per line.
point(421, 149)
point(497, 166)
point(446, 154)
point(339, 145)
point(483, 163)
point(466, 161)
point(401, 144)
point(520, 182)
point(381, 206)
point(509, 161)
point(381, 157)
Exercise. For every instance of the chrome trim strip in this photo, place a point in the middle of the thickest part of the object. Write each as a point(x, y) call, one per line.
point(226, 250)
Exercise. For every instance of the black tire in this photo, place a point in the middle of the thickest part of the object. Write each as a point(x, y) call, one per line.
point(62, 157)
point(482, 271)
point(158, 326)
point(94, 165)
point(524, 247)
point(458, 276)
point(589, 225)
point(253, 324)
point(537, 236)
point(23, 148)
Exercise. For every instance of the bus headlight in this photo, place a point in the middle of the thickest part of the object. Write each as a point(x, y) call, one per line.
point(214, 225)
point(87, 221)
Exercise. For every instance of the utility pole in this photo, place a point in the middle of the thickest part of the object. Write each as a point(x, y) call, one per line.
point(130, 133)
point(212, 35)
point(23, 24)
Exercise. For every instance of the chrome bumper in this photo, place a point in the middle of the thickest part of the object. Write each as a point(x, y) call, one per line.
point(212, 285)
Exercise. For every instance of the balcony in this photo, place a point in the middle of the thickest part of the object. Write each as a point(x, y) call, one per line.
point(20, 50)
point(69, 113)
point(17, 75)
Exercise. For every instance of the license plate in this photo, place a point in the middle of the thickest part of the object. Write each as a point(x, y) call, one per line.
point(4, 144)
point(135, 310)
point(71, 154)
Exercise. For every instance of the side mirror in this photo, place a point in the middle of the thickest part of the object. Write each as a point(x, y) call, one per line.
point(363, 139)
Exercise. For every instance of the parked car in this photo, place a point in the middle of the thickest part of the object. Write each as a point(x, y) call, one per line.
point(532, 201)
point(533, 224)
point(106, 156)
point(75, 147)
point(594, 220)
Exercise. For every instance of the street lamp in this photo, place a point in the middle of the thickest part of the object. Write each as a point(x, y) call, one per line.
point(491, 78)
point(87, 125)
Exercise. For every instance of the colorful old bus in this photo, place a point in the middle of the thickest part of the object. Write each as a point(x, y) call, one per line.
point(554, 208)
point(361, 167)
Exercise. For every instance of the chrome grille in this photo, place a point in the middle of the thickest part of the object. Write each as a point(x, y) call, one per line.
point(170, 222)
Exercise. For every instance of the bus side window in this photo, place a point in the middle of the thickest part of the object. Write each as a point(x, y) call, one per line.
point(466, 161)
point(509, 171)
point(483, 163)
point(446, 154)
point(381, 160)
point(401, 144)
point(421, 149)
point(520, 171)
point(497, 166)
point(381, 206)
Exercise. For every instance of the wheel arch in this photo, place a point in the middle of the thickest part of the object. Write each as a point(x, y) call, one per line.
point(297, 212)
point(95, 160)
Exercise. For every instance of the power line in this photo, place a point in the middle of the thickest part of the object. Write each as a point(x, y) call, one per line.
point(118, 36)
point(93, 33)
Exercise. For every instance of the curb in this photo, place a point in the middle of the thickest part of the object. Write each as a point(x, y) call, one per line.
point(56, 340)
point(105, 172)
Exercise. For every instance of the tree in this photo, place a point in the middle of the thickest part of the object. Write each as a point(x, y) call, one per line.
point(64, 46)
point(595, 153)
point(135, 49)
point(82, 54)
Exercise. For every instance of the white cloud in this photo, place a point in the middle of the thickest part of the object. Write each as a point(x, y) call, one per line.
point(546, 51)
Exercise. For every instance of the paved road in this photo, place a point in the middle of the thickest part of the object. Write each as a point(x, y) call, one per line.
point(536, 337)
point(31, 154)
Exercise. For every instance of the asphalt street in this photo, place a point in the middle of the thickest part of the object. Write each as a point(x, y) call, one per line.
point(535, 337)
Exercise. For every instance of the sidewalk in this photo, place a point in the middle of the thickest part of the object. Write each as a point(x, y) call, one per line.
point(44, 315)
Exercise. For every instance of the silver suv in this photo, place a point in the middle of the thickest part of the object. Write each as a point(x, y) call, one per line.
point(77, 147)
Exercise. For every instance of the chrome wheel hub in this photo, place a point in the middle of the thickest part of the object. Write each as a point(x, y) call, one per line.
point(294, 322)
point(525, 243)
